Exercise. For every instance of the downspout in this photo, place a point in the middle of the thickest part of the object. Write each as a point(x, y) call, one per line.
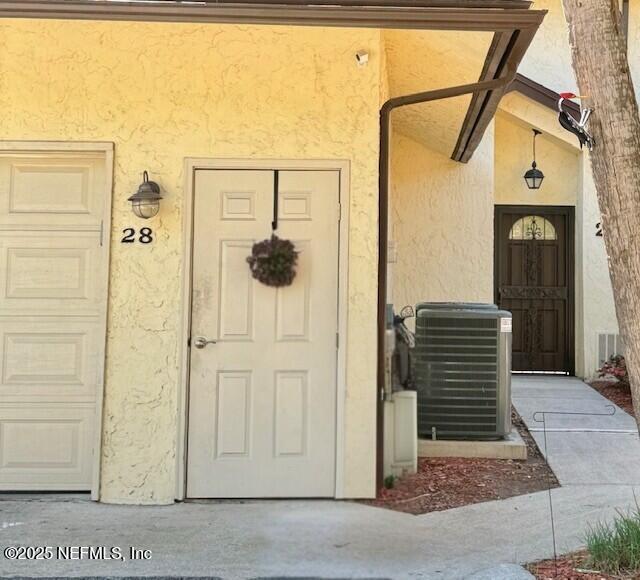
point(383, 224)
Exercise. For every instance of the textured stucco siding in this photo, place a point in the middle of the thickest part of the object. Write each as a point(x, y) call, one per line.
point(595, 296)
point(442, 223)
point(548, 62)
point(421, 61)
point(558, 161)
point(163, 92)
point(568, 181)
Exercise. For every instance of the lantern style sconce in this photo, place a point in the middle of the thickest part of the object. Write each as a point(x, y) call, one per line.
point(145, 202)
point(534, 176)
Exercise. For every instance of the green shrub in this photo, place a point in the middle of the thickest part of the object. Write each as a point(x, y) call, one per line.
point(615, 548)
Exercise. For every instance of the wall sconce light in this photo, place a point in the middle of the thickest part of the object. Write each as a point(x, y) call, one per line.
point(534, 176)
point(145, 202)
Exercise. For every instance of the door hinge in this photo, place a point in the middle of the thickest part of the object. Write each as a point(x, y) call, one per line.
point(101, 232)
point(337, 340)
point(339, 212)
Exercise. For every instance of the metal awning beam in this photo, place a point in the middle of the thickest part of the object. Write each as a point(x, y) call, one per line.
point(388, 16)
point(506, 4)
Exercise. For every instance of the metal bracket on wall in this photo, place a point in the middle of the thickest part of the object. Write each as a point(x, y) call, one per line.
point(276, 193)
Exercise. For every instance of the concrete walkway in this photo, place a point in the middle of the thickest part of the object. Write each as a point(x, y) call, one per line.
point(328, 539)
point(582, 449)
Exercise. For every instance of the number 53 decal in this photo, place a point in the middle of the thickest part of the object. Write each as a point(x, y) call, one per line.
point(145, 236)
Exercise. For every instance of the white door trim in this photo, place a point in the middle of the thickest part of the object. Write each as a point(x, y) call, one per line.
point(191, 165)
point(106, 149)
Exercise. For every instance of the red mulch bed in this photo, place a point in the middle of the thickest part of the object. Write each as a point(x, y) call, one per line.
point(449, 482)
point(572, 567)
point(621, 396)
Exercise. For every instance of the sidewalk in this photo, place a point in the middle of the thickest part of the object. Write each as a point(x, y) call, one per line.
point(582, 449)
point(330, 539)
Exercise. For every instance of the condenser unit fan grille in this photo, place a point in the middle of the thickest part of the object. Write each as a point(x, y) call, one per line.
point(457, 376)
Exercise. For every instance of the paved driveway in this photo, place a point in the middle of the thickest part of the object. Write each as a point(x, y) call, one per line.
point(330, 539)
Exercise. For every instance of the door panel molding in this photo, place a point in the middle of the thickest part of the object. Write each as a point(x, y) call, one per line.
point(245, 208)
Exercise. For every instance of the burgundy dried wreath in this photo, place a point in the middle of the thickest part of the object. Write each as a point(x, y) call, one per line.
point(273, 261)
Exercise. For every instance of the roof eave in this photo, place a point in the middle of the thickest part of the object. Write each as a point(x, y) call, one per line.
point(505, 54)
point(542, 95)
point(514, 29)
point(379, 16)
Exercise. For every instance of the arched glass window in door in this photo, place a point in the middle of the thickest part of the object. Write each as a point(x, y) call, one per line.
point(532, 227)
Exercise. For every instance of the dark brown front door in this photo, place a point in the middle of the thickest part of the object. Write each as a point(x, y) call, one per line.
point(534, 280)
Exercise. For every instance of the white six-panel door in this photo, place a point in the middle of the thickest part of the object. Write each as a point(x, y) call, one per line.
point(262, 397)
point(53, 297)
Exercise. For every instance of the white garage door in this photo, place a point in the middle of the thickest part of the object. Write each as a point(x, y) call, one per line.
point(54, 224)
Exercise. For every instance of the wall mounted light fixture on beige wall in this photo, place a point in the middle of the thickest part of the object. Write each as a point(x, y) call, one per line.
point(145, 202)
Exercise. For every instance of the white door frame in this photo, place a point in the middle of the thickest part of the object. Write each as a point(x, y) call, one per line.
point(107, 149)
point(191, 165)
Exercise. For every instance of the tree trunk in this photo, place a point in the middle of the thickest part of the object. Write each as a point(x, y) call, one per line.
point(599, 54)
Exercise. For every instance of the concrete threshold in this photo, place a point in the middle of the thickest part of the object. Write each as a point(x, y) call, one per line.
point(511, 447)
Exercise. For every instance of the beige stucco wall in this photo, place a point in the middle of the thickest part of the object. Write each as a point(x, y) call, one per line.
point(548, 60)
point(595, 294)
point(513, 156)
point(568, 181)
point(594, 307)
point(442, 216)
point(442, 213)
point(163, 92)
point(442, 222)
point(421, 61)
point(423, 137)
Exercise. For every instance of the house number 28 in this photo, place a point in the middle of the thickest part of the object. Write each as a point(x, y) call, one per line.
point(144, 237)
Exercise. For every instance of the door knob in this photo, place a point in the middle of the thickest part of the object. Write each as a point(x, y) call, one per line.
point(201, 342)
